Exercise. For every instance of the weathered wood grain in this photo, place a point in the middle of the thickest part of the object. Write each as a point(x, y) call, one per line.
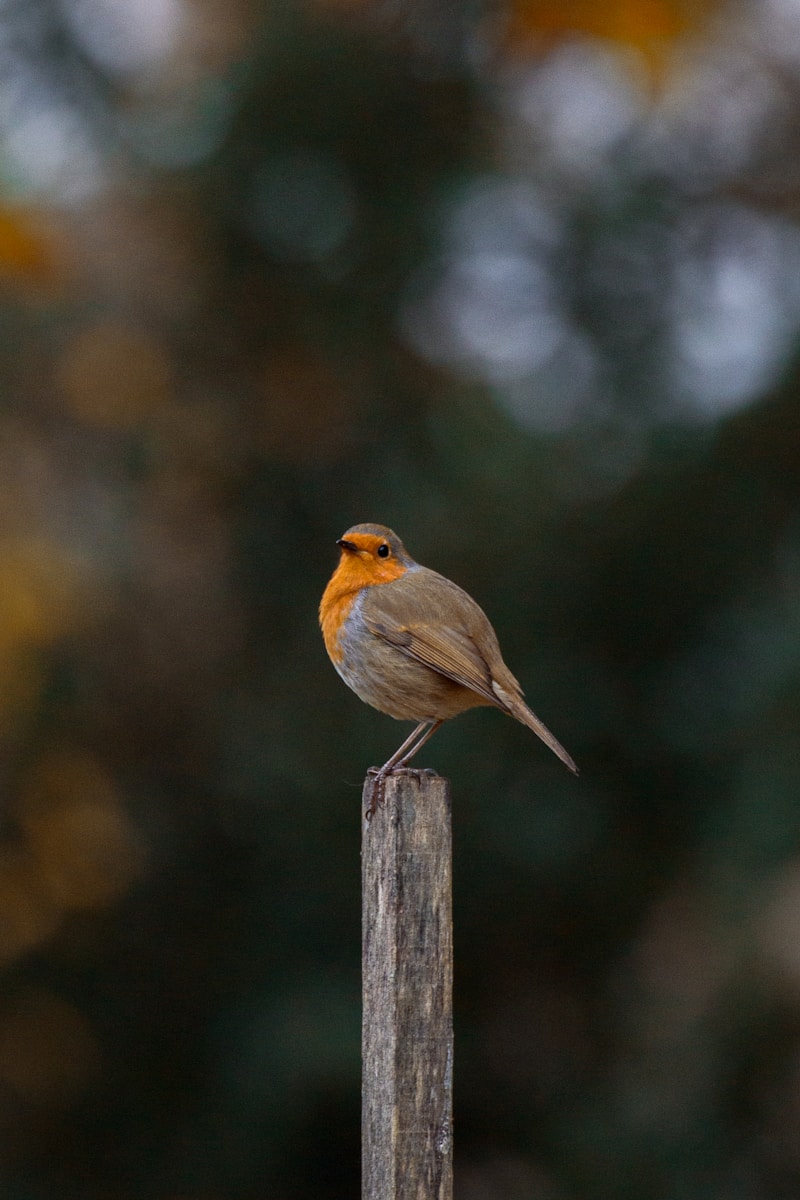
point(407, 1026)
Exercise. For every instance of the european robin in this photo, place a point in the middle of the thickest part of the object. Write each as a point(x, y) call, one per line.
point(414, 645)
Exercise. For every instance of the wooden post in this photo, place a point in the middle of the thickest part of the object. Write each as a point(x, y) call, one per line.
point(407, 1024)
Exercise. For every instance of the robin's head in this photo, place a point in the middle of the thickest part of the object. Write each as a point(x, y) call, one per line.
point(372, 554)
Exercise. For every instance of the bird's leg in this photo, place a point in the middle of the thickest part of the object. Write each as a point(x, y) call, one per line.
point(414, 742)
point(415, 746)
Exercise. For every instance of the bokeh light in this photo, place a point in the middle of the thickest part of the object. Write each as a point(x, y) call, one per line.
point(521, 281)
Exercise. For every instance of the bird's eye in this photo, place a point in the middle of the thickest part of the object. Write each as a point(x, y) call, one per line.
point(383, 550)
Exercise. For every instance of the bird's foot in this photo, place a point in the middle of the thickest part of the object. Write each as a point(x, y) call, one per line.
point(379, 776)
point(420, 773)
point(377, 796)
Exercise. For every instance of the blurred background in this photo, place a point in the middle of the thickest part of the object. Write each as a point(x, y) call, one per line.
point(522, 280)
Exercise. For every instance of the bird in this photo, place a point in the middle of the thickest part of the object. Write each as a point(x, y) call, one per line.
point(414, 645)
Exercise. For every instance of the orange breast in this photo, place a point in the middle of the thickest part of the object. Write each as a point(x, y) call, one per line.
point(353, 573)
point(333, 612)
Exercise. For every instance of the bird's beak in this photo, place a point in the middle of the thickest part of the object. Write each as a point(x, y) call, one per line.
point(345, 545)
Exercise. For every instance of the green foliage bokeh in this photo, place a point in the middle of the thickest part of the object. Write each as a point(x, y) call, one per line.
point(325, 264)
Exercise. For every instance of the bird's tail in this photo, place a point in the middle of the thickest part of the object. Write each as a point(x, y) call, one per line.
point(519, 709)
point(540, 729)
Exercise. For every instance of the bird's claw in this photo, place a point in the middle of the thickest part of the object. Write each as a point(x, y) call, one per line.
point(377, 796)
point(380, 775)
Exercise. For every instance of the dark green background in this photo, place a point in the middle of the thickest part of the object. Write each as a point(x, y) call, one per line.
point(627, 973)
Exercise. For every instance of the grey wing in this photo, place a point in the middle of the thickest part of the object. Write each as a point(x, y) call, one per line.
point(443, 632)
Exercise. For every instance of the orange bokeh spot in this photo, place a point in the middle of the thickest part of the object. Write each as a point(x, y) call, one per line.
point(48, 1052)
point(42, 597)
point(24, 252)
point(647, 26)
point(27, 914)
point(84, 844)
point(113, 376)
point(40, 592)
